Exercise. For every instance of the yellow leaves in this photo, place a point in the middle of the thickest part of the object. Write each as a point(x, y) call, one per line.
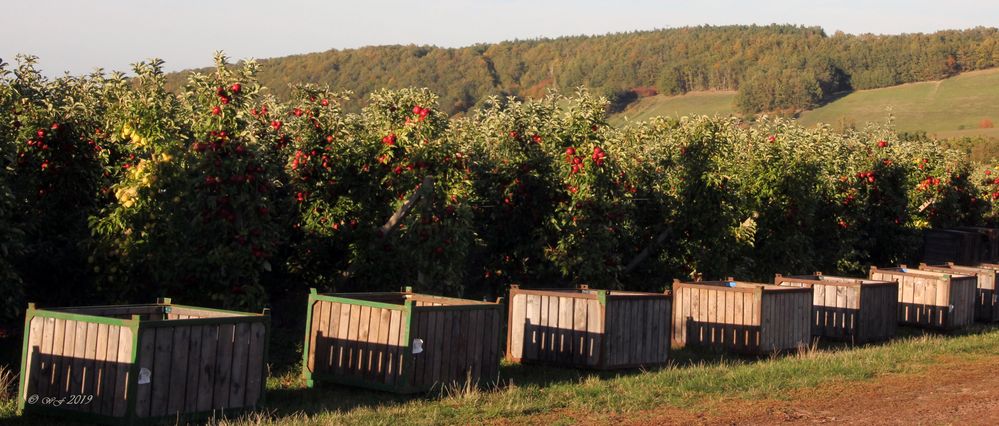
point(130, 134)
point(166, 158)
point(126, 196)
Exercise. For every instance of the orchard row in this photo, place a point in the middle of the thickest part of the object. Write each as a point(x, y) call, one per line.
point(115, 188)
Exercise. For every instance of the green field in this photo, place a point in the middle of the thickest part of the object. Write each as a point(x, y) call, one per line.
point(947, 108)
point(694, 103)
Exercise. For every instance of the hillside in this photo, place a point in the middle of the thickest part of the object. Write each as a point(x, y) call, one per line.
point(945, 108)
point(720, 102)
point(774, 67)
point(953, 107)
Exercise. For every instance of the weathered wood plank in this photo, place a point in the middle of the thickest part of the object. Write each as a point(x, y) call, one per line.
point(195, 335)
point(255, 370)
point(321, 341)
point(35, 338)
point(162, 369)
point(122, 374)
point(180, 346)
point(533, 317)
point(109, 377)
point(519, 305)
point(223, 366)
point(147, 352)
point(209, 351)
point(343, 348)
point(391, 373)
point(594, 332)
point(240, 362)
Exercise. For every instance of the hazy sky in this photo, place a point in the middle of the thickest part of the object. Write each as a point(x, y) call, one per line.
point(80, 35)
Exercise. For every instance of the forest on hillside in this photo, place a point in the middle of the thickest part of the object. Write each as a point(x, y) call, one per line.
point(775, 68)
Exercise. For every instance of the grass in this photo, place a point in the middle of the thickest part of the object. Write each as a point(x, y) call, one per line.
point(947, 108)
point(694, 103)
point(694, 379)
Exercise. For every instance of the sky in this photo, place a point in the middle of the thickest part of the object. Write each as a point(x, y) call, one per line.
point(78, 36)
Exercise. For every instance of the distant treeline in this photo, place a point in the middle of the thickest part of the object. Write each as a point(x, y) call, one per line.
point(783, 68)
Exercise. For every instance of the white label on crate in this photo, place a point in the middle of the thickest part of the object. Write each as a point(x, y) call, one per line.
point(417, 346)
point(145, 376)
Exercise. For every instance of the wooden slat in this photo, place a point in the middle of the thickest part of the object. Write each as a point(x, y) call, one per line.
point(40, 347)
point(363, 330)
point(447, 324)
point(330, 348)
point(255, 368)
point(353, 354)
point(578, 347)
point(460, 362)
point(162, 371)
point(209, 352)
point(374, 328)
point(519, 304)
point(438, 346)
point(123, 377)
point(58, 362)
point(75, 360)
point(553, 326)
point(533, 313)
point(240, 361)
point(196, 334)
point(176, 373)
point(490, 367)
point(343, 351)
point(319, 340)
point(223, 364)
point(109, 378)
point(421, 328)
point(391, 372)
point(474, 357)
point(95, 388)
point(147, 351)
point(35, 338)
point(382, 339)
point(193, 313)
point(594, 314)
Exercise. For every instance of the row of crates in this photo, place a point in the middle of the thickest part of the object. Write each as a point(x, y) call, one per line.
point(159, 361)
point(962, 245)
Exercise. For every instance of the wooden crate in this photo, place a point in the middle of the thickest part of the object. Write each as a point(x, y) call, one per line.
point(851, 309)
point(990, 239)
point(931, 300)
point(401, 342)
point(599, 329)
point(948, 245)
point(986, 303)
point(749, 318)
point(142, 363)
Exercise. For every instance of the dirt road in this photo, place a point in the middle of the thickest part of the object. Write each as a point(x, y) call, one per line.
point(951, 392)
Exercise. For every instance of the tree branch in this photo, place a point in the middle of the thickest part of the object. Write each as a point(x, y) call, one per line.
point(648, 250)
